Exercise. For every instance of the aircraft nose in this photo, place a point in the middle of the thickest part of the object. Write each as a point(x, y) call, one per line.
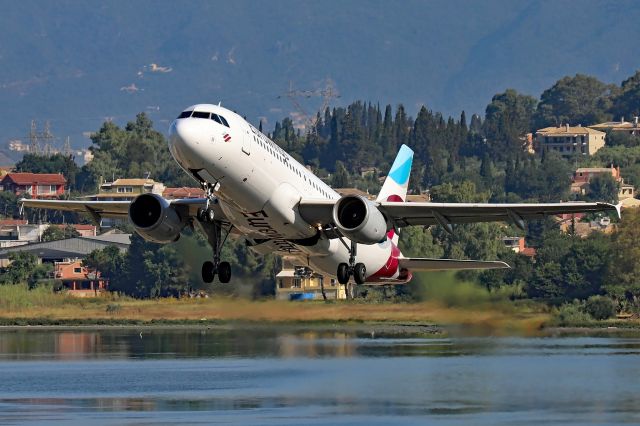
point(183, 133)
point(187, 139)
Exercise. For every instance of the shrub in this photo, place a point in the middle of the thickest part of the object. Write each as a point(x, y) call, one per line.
point(600, 307)
point(572, 314)
point(113, 308)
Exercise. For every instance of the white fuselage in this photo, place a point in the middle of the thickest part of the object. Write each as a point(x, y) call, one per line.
point(259, 187)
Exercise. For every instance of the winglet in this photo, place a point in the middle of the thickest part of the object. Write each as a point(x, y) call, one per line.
point(619, 210)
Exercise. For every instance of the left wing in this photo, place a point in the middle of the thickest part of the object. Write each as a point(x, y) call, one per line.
point(115, 209)
point(401, 214)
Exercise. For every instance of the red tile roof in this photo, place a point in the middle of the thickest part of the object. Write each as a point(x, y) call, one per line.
point(183, 192)
point(36, 178)
point(12, 222)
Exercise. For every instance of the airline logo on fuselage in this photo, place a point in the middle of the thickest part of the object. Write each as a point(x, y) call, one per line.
point(259, 222)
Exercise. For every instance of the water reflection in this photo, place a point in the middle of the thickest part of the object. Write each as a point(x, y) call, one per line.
point(271, 376)
point(28, 344)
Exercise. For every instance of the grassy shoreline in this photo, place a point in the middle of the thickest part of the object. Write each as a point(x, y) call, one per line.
point(60, 310)
point(20, 307)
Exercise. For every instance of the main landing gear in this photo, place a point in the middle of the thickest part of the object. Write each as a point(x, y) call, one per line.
point(214, 228)
point(358, 270)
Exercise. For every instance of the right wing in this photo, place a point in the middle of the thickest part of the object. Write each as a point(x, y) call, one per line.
point(400, 214)
point(425, 264)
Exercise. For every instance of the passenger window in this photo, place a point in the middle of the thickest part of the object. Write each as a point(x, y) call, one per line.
point(201, 114)
point(224, 121)
point(185, 114)
point(216, 118)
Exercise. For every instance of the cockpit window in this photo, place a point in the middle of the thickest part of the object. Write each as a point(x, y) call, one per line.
point(216, 118)
point(224, 121)
point(185, 114)
point(200, 114)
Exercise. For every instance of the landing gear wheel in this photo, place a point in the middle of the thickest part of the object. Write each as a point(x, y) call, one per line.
point(343, 273)
point(360, 273)
point(224, 272)
point(208, 272)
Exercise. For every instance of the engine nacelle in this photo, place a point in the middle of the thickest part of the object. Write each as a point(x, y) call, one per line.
point(359, 219)
point(155, 219)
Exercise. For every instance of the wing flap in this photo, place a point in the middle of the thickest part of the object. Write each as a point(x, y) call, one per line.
point(111, 209)
point(425, 264)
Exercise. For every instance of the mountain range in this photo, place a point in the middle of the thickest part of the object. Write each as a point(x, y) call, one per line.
point(79, 63)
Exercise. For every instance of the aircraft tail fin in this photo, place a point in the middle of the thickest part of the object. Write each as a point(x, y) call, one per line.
point(397, 182)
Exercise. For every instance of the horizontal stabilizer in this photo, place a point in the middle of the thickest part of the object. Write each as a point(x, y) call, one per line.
point(415, 264)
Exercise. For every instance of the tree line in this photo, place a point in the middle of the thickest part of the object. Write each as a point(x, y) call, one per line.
point(477, 158)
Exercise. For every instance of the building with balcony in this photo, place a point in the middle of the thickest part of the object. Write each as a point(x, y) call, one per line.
point(34, 185)
point(569, 141)
point(78, 280)
point(127, 189)
point(294, 283)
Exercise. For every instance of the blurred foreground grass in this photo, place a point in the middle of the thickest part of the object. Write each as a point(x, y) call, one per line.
point(444, 303)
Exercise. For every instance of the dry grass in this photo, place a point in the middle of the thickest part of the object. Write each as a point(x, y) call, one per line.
point(495, 319)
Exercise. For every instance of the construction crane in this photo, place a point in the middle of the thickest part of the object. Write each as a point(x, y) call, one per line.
point(327, 93)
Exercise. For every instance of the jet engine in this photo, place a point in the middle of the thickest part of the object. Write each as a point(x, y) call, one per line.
point(359, 219)
point(155, 219)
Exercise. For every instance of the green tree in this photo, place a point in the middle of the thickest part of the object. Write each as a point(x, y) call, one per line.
point(108, 261)
point(603, 187)
point(580, 99)
point(507, 118)
point(9, 204)
point(416, 241)
point(53, 233)
point(135, 151)
point(151, 270)
point(22, 265)
point(627, 102)
point(623, 277)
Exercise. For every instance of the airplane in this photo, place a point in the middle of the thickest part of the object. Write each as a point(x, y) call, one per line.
point(253, 188)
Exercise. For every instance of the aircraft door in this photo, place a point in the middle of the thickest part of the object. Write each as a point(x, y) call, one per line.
point(246, 142)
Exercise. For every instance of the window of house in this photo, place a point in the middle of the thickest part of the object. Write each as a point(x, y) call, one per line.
point(77, 270)
point(46, 189)
point(125, 189)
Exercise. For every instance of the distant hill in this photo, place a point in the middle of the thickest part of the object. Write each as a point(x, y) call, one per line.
point(78, 63)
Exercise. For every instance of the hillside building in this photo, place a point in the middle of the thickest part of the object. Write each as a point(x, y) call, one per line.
point(569, 141)
point(632, 128)
point(583, 175)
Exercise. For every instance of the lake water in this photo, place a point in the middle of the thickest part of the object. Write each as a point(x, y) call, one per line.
point(124, 376)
